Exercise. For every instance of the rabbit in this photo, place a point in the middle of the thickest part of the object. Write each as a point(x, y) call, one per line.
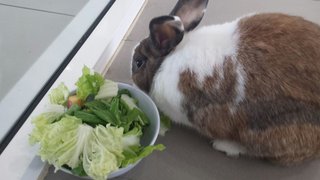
point(252, 85)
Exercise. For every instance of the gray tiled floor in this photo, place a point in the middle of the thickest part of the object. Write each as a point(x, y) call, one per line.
point(27, 29)
point(188, 155)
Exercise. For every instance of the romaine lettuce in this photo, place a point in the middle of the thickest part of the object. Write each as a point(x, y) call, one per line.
point(136, 153)
point(102, 153)
point(108, 90)
point(53, 112)
point(59, 95)
point(60, 145)
point(165, 124)
point(89, 83)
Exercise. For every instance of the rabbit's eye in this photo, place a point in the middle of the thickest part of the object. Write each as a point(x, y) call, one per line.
point(139, 62)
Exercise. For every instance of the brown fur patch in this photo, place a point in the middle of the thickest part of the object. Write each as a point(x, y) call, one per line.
point(289, 144)
point(281, 59)
point(207, 104)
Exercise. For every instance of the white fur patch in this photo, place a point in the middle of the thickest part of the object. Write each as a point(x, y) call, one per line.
point(240, 87)
point(229, 147)
point(201, 51)
point(166, 95)
point(176, 18)
point(241, 81)
point(205, 49)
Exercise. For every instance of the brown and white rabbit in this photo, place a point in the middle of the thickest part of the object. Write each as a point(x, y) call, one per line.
point(252, 85)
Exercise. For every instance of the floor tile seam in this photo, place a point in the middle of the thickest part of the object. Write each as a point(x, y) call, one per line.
point(39, 10)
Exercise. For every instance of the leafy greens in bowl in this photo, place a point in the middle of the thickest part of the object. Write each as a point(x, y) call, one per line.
point(103, 130)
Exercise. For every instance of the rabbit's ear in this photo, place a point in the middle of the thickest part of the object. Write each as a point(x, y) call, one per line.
point(190, 12)
point(166, 32)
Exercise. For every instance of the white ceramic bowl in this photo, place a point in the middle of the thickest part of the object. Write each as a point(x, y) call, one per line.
point(150, 133)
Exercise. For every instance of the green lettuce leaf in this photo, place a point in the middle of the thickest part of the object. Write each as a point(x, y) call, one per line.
point(136, 153)
point(52, 113)
point(79, 171)
point(132, 138)
point(59, 95)
point(165, 124)
point(108, 90)
point(103, 152)
point(63, 142)
point(129, 101)
point(89, 83)
point(53, 140)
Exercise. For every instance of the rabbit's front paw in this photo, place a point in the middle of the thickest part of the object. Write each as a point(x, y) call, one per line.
point(229, 147)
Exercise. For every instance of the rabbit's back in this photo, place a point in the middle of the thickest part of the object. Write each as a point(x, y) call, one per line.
point(281, 57)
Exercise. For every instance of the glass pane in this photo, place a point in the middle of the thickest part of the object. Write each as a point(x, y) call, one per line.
point(27, 29)
point(36, 36)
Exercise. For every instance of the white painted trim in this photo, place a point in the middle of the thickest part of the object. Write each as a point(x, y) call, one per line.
point(118, 35)
point(19, 160)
